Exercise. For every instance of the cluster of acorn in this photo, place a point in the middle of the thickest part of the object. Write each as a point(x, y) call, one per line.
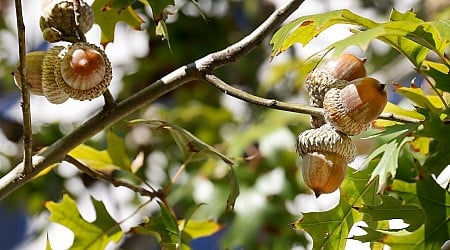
point(351, 101)
point(79, 70)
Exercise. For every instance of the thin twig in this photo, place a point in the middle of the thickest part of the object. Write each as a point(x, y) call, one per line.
point(26, 111)
point(194, 71)
point(111, 179)
point(434, 89)
point(291, 107)
point(269, 103)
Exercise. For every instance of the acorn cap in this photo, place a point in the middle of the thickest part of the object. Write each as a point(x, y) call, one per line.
point(50, 88)
point(84, 72)
point(352, 109)
point(326, 139)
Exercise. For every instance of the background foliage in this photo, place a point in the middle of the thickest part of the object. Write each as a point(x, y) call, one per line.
point(225, 168)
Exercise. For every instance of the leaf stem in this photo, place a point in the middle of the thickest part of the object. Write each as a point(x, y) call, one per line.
point(112, 180)
point(178, 173)
point(26, 110)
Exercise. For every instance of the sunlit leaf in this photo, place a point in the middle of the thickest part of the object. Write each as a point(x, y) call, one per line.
point(304, 29)
point(197, 229)
point(88, 235)
point(421, 144)
point(330, 229)
point(137, 163)
point(116, 150)
point(95, 159)
point(432, 103)
point(107, 15)
point(388, 164)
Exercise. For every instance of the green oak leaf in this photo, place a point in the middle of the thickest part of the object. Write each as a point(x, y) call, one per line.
point(391, 208)
point(435, 201)
point(96, 159)
point(88, 235)
point(330, 229)
point(107, 15)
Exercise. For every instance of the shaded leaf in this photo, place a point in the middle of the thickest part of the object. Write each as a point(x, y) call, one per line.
point(391, 208)
point(88, 235)
point(435, 201)
point(165, 227)
point(95, 159)
point(116, 150)
point(330, 229)
point(107, 15)
point(234, 189)
point(440, 74)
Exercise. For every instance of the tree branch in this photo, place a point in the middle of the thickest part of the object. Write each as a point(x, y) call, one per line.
point(58, 150)
point(291, 107)
point(26, 111)
point(112, 180)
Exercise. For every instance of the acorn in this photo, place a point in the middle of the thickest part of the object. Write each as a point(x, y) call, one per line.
point(326, 154)
point(333, 74)
point(60, 18)
point(80, 71)
point(352, 109)
point(33, 71)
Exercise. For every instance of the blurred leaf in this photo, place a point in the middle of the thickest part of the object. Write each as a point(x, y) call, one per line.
point(95, 159)
point(116, 150)
point(88, 235)
point(158, 6)
point(161, 30)
point(107, 15)
point(388, 164)
point(421, 144)
point(330, 229)
point(234, 189)
point(137, 163)
point(185, 140)
point(391, 208)
point(394, 131)
point(432, 103)
point(197, 229)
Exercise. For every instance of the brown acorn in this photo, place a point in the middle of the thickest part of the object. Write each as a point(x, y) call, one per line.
point(326, 154)
point(352, 109)
point(333, 74)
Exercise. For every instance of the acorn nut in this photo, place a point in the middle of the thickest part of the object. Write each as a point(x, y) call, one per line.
point(333, 74)
point(60, 18)
point(325, 154)
point(352, 109)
